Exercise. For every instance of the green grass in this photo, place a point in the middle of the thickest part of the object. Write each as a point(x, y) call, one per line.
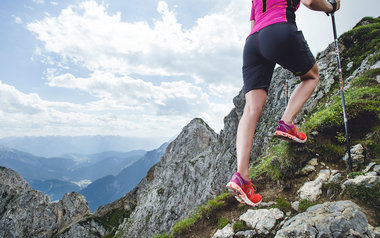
point(355, 174)
point(332, 189)
point(160, 191)
point(239, 226)
point(305, 204)
point(222, 222)
point(362, 41)
point(362, 104)
point(112, 220)
point(276, 163)
point(282, 204)
point(205, 212)
point(363, 97)
point(372, 144)
point(164, 235)
point(359, 100)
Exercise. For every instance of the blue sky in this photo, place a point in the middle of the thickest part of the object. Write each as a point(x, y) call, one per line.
point(131, 67)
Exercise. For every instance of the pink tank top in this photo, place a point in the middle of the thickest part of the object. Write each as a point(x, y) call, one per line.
point(268, 12)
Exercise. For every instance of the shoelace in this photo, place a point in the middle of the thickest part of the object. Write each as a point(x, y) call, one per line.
point(251, 187)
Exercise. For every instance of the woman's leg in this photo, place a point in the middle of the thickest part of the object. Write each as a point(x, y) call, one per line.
point(302, 93)
point(254, 103)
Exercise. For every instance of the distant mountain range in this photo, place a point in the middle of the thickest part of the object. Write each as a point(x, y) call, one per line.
point(109, 175)
point(52, 146)
point(110, 188)
point(71, 172)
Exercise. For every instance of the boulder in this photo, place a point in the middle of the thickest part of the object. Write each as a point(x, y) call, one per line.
point(377, 169)
point(357, 156)
point(262, 220)
point(310, 167)
point(369, 180)
point(330, 219)
point(246, 234)
point(226, 232)
point(295, 205)
point(313, 189)
point(369, 167)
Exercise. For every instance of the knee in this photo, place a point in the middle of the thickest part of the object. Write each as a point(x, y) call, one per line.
point(312, 75)
point(253, 111)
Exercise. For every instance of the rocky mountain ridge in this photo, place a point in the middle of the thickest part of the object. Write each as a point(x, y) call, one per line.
point(198, 163)
point(25, 212)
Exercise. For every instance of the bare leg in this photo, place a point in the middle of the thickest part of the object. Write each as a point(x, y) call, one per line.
point(255, 100)
point(301, 94)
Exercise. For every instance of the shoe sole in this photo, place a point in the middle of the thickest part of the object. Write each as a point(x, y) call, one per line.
point(289, 137)
point(240, 194)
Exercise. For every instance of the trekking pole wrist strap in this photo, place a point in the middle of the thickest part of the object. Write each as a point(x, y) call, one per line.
point(333, 4)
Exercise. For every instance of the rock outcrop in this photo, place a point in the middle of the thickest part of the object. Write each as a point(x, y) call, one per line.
point(330, 219)
point(177, 184)
point(25, 212)
point(262, 221)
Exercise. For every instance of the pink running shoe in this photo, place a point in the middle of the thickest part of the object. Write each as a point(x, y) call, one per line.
point(289, 132)
point(244, 191)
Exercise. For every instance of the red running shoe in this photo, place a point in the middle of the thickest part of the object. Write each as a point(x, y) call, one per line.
point(289, 132)
point(243, 192)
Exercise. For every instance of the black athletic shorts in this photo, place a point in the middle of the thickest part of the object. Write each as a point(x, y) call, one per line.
point(279, 43)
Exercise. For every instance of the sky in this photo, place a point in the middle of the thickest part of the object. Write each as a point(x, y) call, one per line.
point(137, 68)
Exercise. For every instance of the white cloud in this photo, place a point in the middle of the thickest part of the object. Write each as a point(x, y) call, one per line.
point(27, 114)
point(209, 53)
point(86, 34)
point(39, 1)
point(202, 64)
point(223, 90)
point(125, 93)
point(17, 19)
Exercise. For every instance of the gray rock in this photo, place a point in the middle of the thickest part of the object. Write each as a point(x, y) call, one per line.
point(369, 167)
point(26, 212)
point(307, 170)
point(177, 176)
point(376, 232)
point(313, 162)
point(335, 178)
point(310, 167)
point(364, 66)
point(330, 219)
point(262, 220)
point(295, 205)
point(369, 180)
point(226, 232)
point(245, 234)
point(265, 204)
point(85, 229)
point(349, 65)
point(357, 156)
point(313, 189)
point(376, 65)
point(377, 169)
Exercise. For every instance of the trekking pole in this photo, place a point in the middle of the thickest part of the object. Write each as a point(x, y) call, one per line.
point(287, 92)
point(341, 92)
point(287, 88)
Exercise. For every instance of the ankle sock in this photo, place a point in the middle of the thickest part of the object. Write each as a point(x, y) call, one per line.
point(238, 177)
point(282, 126)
